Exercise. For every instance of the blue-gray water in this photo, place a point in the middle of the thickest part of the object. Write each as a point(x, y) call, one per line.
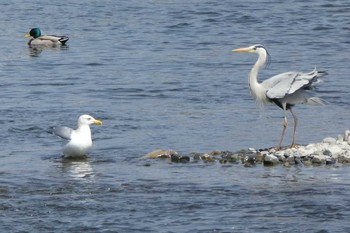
point(161, 74)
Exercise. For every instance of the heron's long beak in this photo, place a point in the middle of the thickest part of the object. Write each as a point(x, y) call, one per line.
point(97, 122)
point(27, 35)
point(243, 50)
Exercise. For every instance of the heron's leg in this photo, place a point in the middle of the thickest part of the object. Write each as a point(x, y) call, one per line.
point(295, 127)
point(285, 124)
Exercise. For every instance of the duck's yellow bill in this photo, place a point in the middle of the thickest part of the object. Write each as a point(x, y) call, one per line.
point(27, 35)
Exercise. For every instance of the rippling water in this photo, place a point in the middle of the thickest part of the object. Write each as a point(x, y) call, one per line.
point(161, 74)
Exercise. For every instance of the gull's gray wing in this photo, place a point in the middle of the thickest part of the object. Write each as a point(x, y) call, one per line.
point(63, 132)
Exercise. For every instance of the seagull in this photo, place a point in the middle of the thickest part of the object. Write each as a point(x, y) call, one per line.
point(285, 90)
point(79, 140)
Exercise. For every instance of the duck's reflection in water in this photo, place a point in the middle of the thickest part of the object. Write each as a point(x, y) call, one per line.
point(35, 51)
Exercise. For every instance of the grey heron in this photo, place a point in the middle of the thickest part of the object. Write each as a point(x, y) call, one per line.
point(79, 140)
point(285, 90)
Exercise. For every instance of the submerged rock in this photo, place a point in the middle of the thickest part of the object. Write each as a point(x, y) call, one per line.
point(160, 154)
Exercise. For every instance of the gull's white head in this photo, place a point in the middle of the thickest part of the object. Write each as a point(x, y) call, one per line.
point(88, 120)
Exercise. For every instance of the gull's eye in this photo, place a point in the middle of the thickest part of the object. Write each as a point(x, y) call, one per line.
point(89, 118)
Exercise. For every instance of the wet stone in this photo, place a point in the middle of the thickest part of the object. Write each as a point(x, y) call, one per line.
point(179, 158)
point(270, 160)
point(162, 154)
point(250, 159)
point(307, 163)
point(196, 156)
point(216, 153)
point(229, 158)
point(207, 158)
point(298, 161)
point(331, 161)
point(318, 159)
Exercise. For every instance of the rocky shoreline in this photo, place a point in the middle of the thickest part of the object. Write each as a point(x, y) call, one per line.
point(330, 151)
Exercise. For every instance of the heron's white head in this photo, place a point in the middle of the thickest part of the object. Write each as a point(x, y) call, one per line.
point(258, 49)
point(88, 120)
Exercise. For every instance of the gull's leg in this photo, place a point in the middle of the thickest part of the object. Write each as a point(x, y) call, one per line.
point(285, 124)
point(295, 127)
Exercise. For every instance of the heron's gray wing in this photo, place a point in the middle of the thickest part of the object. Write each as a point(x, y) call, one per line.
point(278, 86)
point(303, 81)
point(288, 83)
point(63, 132)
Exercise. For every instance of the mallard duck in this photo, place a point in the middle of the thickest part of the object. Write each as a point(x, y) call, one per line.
point(40, 40)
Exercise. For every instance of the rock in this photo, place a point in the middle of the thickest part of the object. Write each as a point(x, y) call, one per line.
point(318, 159)
point(249, 159)
point(340, 138)
point(297, 161)
point(290, 159)
point(329, 140)
point(331, 161)
point(196, 156)
point(179, 158)
point(280, 153)
point(307, 163)
point(251, 150)
point(270, 160)
point(347, 135)
point(259, 158)
point(288, 152)
point(207, 158)
point(160, 154)
point(229, 158)
point(280, 156)
point(332, 151)
point(216, 153)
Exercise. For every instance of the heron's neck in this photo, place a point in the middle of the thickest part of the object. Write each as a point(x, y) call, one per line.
point(256, 89)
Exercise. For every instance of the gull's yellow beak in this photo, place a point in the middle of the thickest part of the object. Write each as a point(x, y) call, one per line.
point(243, 50)
point(97, 122)
point(27, 35)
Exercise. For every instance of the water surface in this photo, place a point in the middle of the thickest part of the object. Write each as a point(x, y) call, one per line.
point(161, 74)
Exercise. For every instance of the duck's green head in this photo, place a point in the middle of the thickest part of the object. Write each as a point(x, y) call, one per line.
point(35, 32)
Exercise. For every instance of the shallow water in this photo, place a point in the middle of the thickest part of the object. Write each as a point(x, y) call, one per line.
point(161, 74)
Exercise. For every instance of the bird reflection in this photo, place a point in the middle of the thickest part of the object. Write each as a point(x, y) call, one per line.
point(78, 168)
point(35, 51)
